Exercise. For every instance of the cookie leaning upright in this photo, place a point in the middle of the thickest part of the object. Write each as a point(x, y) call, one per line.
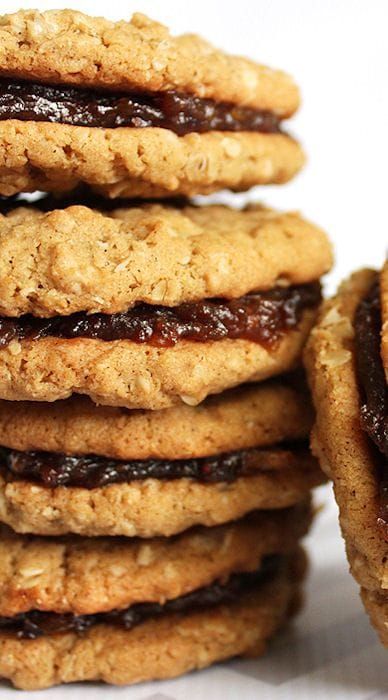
point(126, 112)
point(345, 359)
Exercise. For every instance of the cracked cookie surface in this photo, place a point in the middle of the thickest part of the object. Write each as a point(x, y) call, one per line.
point(80, 259)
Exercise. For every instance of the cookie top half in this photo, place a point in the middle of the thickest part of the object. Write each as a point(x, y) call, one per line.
point(69, 47)
point(81, 259)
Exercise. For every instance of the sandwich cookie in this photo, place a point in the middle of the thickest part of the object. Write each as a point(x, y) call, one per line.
point(118, 106)
point(148, 307)
point(345, 364)
point(171, 605)
point(220, 463)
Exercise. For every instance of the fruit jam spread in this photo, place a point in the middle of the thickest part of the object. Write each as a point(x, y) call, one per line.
point(262, 317)
point(178, 112)
point(53, 470)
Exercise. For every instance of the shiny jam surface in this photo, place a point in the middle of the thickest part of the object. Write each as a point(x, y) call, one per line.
point(36, 623)
point(373, 387)
point(262, 317)
point(178, 112)
point(53, 470)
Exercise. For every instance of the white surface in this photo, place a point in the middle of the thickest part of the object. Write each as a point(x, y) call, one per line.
point(337, 51)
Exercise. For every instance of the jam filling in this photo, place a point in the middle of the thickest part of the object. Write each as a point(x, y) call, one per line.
point(53, 470)
point(178, 112)
point(36, 623)
point(262, 317)
point(373, 386)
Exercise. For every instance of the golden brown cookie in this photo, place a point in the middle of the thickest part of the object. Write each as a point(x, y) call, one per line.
point(153, 507)
point(138, 375)
point(345, 451)
point(250, 416)
point(65, 46)
point(158, 648)
point(149, 162)
point(84, 576)
point(342, 447)
point(48, 148)
point(79, 259)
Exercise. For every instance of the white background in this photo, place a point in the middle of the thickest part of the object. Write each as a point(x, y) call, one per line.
point(337, 51)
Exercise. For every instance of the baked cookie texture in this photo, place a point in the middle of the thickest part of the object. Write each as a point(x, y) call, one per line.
point(145, 162)
point(65, 46)
point(133, 375)
point(343, 448)
point(259, 415)
point(80, 259)
point(153, 507)
point(87, 576)
point(159, 648)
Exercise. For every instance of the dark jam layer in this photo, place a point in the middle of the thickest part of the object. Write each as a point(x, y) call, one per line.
point(172, 110)
point(53, 470)
point(37, 624)
point(373, 386)
point(263, 318)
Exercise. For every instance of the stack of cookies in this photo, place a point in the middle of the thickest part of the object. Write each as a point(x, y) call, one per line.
point(155, 476)
point(347, 362)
